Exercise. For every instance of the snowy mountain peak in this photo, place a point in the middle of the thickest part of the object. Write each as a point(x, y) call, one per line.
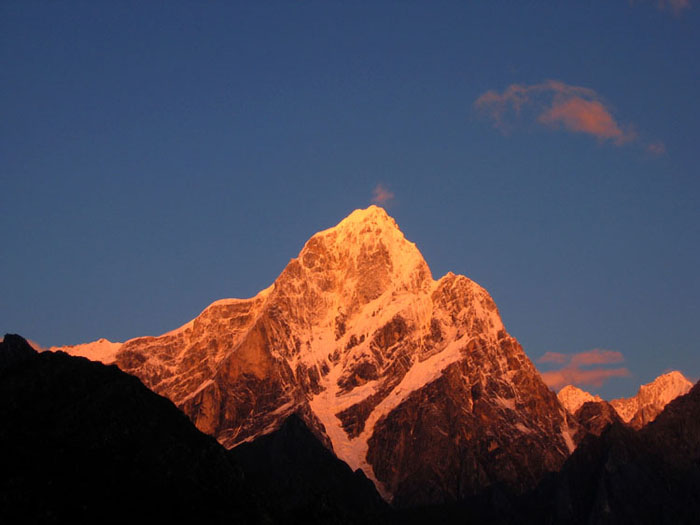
point(340, 271)
point(669, 382)
point(639, 409)
point(572, 398)
point(373, 214)
point(652, 398)
point(357, 338)
point(368, 241)
point(102, 350)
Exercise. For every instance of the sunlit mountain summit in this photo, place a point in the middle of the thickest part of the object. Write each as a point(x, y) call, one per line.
point(398, 373)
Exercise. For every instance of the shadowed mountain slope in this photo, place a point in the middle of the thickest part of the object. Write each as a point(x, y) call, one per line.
point(306, 481)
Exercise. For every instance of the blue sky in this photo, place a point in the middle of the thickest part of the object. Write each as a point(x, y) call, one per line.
point(157, 156)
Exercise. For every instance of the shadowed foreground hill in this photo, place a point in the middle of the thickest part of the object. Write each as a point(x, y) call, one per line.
point(81, 442)
point(306, 481)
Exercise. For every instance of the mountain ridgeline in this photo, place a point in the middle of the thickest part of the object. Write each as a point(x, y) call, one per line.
point(357, 375)
point(412, 380)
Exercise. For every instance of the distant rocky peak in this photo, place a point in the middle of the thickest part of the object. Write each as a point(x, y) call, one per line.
point(572, 398)
point(672, 383)
point(651, 398)
point(640, 409)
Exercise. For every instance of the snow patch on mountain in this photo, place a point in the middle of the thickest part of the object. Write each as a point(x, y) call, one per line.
point(102, 350)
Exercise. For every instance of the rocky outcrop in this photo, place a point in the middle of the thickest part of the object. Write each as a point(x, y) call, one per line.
point(415, 381)
point(594, 417)
point(483, 421)
point(15, 350)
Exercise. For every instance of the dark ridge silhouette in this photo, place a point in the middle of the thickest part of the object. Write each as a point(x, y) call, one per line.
point(308, 483)
point(81, 442)
point(15, 350)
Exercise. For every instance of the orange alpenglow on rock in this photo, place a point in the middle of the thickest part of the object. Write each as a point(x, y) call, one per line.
point(640, 409)
point(396, 372)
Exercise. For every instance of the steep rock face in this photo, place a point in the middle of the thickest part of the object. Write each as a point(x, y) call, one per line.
point(392, 370)
point(483, 421)
point(651, 399)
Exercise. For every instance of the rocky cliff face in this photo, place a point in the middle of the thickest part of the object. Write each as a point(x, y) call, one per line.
point(414, 381)
point(594, 417)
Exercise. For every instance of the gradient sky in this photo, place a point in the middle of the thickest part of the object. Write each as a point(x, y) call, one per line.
point(157, 156)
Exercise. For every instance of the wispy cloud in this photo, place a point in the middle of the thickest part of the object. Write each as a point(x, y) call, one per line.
point(382, 195)
point(553, 357)
point(597, 357)
point(657, 148)
point(676, 6)
point(555, 104)
point(36, 346)
point(583, 368)
point(585, 116)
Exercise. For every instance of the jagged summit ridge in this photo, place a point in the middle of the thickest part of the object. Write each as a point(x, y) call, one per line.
point(637, 410)
point(353, 335)
point(362, 257)
point(651, 398)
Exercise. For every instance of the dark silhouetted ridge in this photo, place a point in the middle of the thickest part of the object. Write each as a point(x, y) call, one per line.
point(306, 481)
point(81, 442)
